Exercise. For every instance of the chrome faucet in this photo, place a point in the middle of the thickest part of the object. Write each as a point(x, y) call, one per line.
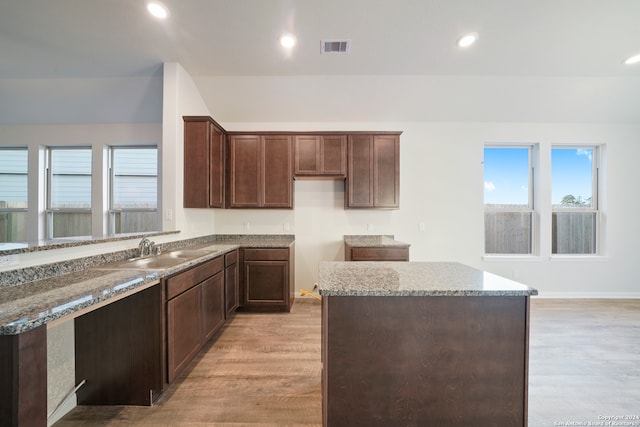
point(145, 247)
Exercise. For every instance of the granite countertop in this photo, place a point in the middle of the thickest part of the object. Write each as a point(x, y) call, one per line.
point(12, 248)
point(33, 303)
point(413, 279)
point(373, 241)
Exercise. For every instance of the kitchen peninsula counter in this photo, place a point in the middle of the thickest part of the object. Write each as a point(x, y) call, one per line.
point(127, 292)
point(423, 343)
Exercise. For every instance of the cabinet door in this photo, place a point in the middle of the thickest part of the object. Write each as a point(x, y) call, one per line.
point(277, 172)
point(359, 191)
point(216, 167)
point(184, 330)
point(213, 307)
point(266, 282)
point(373, 177)
point(245, 163)
point(386, 173)
point(203, 163)
point(333, 150)
point(231, 289)
point(196, 163)
point(307, 155)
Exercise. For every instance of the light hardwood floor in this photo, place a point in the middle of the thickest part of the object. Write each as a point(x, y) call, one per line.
point(264, 371)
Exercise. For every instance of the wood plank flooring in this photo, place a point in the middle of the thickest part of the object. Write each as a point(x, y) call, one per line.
point(264, 371)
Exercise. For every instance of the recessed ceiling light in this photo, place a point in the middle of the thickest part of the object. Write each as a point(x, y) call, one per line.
point(467, 40)
point(158, 10)
point(288, 41)
point(632, 59)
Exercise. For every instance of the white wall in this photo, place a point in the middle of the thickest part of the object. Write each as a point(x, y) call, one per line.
point(442, 186)
point(181, 98)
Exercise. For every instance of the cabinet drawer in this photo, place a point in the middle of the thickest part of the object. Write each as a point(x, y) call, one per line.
point(231, 258)
point(187, 279)
point(263, 254)
point(379, 254)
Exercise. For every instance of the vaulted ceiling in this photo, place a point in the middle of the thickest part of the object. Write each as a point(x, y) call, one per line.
point(91, 38)
point(540, 45)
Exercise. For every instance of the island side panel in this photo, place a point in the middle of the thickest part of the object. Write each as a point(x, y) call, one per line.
point(23, 378)
point(416, 361)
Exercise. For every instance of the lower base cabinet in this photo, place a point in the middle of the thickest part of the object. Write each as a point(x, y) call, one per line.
point(195, 310)
point(183, 330)
point(231, 283)
point(268, 279)
point(213, 307)
point(376, 254)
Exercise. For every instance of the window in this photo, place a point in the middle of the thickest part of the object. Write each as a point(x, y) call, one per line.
point(68, 192)
point(13, 194)
point(508, 200)
point(133, 201)
point(574, 194)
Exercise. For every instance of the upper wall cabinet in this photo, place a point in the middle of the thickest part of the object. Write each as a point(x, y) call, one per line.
point(373, 172)
point(320, 156)
point(204, 158)
point(260, 171)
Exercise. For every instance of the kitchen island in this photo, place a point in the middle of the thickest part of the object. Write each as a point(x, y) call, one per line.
point(422, 344)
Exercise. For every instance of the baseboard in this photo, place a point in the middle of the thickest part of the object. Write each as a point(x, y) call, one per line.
point(589, 295)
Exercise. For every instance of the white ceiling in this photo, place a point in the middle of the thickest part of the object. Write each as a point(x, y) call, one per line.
point(117, 38)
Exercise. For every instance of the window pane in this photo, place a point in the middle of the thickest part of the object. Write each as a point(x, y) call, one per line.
point(507, 232)
point(508, 220)
point(574, 233)
point(70, 179)
point(68, 224)
point(506, 177)
point(130, 222)
point(13, 226)
point(13, 178)
point(135, 178)
point(572, 177)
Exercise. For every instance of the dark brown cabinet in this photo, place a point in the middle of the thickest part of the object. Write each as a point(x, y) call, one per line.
point(320, 156)
point(268, 281)
point(373, 173)
point(260, 172)
point(376, 254)
point(183, 330)
point(195, 311)
point(231, 282)
point(204, 163)
point(213, 306)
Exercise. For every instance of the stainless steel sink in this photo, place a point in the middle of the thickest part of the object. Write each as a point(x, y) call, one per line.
point(157, 262)
point(185, 253)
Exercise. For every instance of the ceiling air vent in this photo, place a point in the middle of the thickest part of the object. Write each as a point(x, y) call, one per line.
point(335, 46)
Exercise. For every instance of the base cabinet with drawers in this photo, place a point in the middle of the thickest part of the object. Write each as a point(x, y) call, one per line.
point(268, 278)
point(198, 302)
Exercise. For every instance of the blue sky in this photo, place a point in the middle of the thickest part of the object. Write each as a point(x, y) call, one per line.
point(506, 174)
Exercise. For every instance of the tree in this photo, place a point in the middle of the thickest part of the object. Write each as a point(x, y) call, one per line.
point(571, 200)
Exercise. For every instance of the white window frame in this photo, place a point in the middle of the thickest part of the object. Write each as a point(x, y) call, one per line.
point(111, 188)
point(533, 154)
point(24, 210)
point(49, 211)
point(595, 207)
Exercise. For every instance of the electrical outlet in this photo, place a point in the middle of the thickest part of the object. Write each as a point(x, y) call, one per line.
point(421, 226)
point(168, 214)
point(285, 226)
point(369, 227)
point(247, 226)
